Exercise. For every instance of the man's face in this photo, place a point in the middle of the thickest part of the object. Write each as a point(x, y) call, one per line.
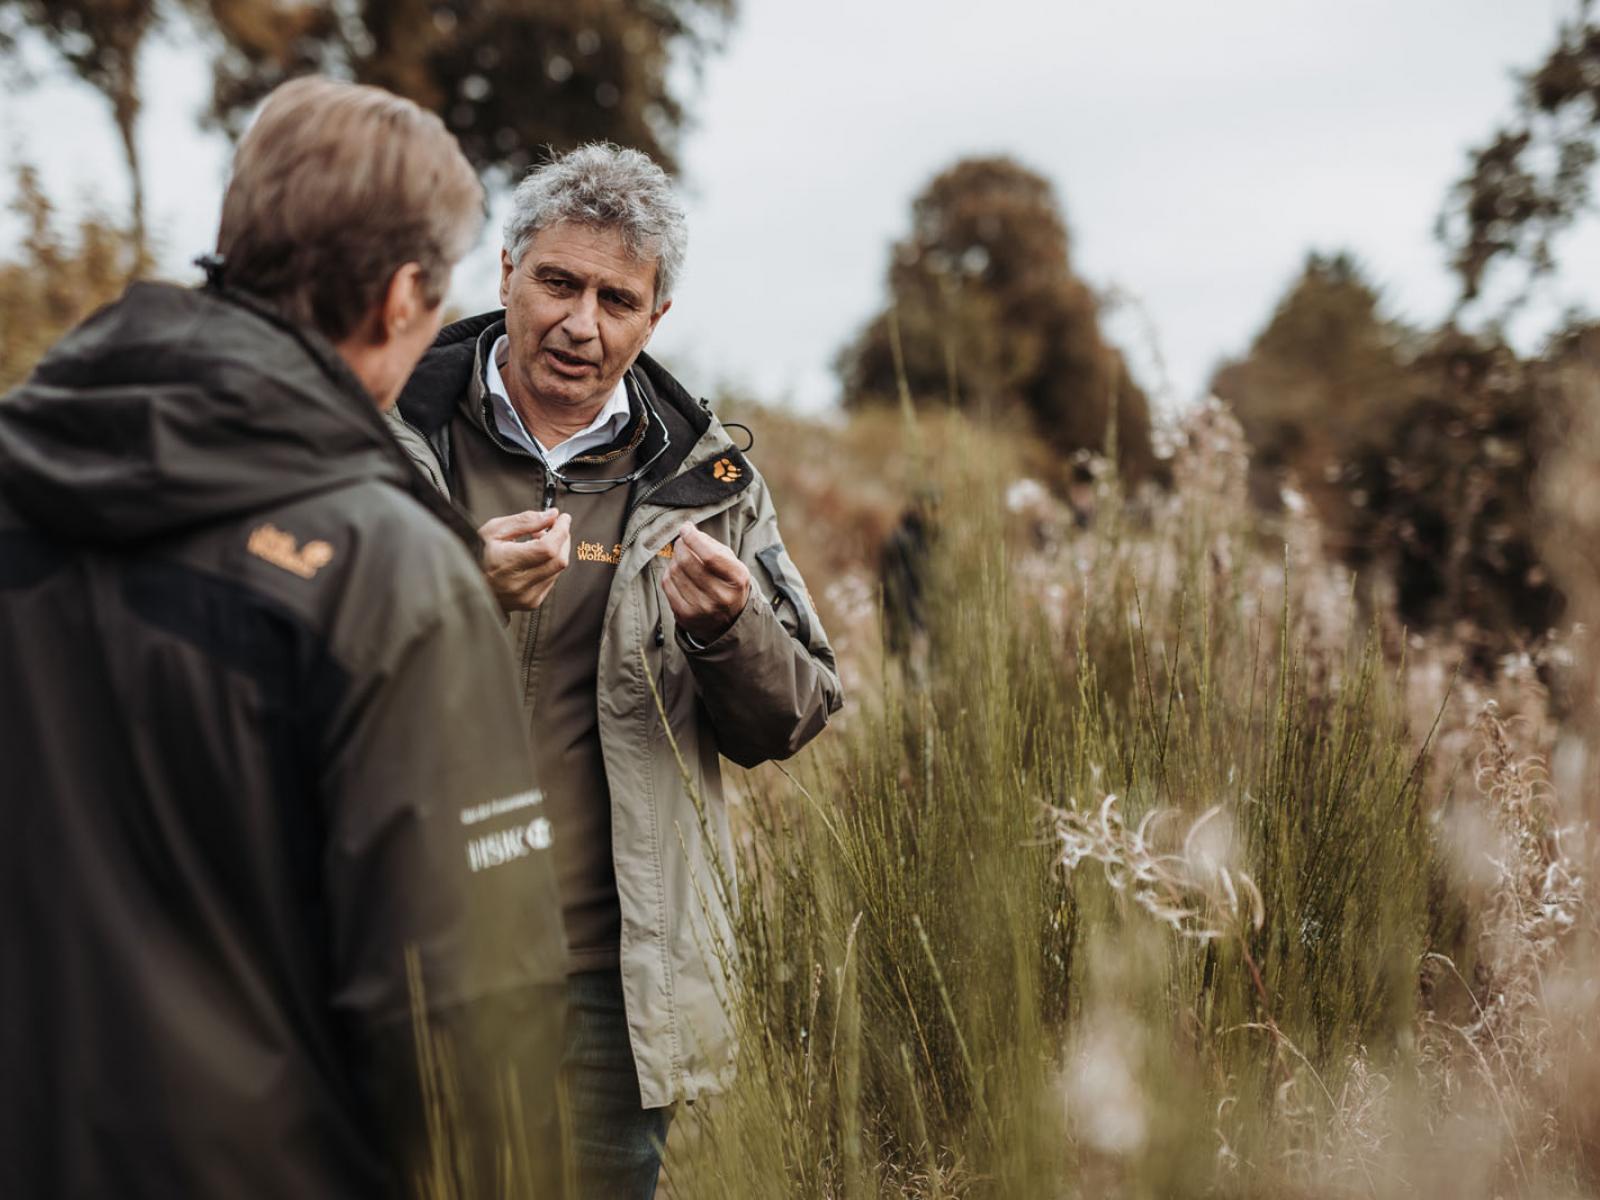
point(579, 309)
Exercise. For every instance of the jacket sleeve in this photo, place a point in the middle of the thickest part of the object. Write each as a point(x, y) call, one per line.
point(418, 450)
point(769, 683)
point(448, 962)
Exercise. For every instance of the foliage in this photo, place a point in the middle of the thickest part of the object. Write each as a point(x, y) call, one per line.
point(1417, 451)
point(1569, 487)
point(986, 311)
point(1444, 498)
point(1326, 372)
point(54, 282)
point(1534, 177)
point(513, 79)
point(933, 1006)
point(100, 41)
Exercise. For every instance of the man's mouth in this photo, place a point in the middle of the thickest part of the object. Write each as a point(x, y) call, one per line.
point(568, 364)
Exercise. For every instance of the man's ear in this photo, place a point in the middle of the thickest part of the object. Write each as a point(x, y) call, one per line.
point(506, 268)
point(655, 319)
point(404, 304)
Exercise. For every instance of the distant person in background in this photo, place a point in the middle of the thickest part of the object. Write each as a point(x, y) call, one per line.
point(904, 565)
point(637, 553)
point(268, 803)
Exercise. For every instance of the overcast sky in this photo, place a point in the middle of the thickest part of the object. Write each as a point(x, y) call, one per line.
point(1199, 149)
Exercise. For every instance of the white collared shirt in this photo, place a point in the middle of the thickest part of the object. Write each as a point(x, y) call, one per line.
point(604, 429)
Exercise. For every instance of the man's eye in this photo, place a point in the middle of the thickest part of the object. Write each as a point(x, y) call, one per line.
point(558, 285)
point(618, 300)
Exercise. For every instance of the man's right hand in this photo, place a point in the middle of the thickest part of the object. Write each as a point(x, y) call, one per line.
point(522, 555)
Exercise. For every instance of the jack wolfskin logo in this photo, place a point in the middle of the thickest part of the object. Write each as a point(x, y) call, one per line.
point(597, 553)
point(725, 471)
point(280, 549)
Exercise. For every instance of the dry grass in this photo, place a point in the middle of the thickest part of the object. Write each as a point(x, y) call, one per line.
point(1309, 959)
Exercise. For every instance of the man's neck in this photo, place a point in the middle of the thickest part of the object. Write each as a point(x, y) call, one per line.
point(551, 428)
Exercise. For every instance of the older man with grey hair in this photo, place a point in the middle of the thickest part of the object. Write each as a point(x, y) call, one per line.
point(656, 620)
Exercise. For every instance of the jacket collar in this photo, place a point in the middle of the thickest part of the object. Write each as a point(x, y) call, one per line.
point(701, 465)
point(329, 359)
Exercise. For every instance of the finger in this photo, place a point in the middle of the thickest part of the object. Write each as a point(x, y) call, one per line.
point(515, 525)
point(687, 597)
point(711, 559)
point(696, 541)
point(704, 548)
point(559, 532)
point(559, 528)
point(686, 545)
point(672, 590)
point(555, 543)
point(561, 538)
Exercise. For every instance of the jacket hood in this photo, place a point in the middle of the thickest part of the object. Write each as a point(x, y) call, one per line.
point(176, 407)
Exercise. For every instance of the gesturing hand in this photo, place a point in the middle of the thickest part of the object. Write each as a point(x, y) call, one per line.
point(705, 584)
point(522, 555)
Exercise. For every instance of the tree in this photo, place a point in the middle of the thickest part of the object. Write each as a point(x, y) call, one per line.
point(1417, 451)
point(1570, 520)
point(100, 41)
point(1328, 371)
point(1449, 497)
point(53, 283)
point(1534, 176)
point(513, 79)
point(985, 309)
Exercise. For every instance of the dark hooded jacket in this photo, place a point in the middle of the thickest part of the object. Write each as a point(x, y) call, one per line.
point(247, 895)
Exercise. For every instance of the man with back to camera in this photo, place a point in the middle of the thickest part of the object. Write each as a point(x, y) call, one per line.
point(637, 553)
point(237, 868)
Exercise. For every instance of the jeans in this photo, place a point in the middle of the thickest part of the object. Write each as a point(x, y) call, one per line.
point(616, 1142)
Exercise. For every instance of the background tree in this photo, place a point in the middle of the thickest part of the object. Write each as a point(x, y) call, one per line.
point(1534, 177)
point(1444, 497)
point(512, 79)
point(54, 281)
point(1418, 452)
point(100, 41)
point(990, 314)
point(1328, 371)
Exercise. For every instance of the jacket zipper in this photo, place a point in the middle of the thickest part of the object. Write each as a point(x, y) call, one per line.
point(530, 643)
point(529, 655)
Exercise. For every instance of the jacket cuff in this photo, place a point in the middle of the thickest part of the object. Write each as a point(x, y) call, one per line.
point(694, 646)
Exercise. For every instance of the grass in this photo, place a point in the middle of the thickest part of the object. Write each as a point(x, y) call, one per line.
point(1135, 887)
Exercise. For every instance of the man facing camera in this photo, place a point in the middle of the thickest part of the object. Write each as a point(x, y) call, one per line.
point(268, 803)
point(656, 620)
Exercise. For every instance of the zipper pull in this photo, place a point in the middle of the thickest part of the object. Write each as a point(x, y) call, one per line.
point(549, 490)
point(661, 637)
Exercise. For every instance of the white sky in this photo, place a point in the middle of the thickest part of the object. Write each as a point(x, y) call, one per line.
point(1200, 150)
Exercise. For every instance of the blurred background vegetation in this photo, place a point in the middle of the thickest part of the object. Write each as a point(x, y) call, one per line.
point(1330, 633)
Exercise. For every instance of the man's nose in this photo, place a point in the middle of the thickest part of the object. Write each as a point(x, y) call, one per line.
point(582, 320)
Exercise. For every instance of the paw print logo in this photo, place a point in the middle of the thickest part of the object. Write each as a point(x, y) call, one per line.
point(725, 472)
point(316, 555)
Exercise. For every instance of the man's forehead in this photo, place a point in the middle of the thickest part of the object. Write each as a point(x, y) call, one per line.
point(591, 250)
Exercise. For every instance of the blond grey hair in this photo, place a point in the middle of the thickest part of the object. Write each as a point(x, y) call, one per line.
point(607, 187)
point(335, 187)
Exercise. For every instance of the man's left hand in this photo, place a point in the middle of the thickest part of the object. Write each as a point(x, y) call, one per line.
point(706, 585)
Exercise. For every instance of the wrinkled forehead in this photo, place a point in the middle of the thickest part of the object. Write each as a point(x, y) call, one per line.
point(595, 252)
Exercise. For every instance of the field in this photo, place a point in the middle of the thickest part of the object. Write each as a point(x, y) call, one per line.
point(1154, 864)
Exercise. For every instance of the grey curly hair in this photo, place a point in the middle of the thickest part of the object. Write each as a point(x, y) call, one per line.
point(604, 185)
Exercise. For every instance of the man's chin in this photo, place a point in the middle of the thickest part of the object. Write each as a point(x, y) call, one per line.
point(568, 392)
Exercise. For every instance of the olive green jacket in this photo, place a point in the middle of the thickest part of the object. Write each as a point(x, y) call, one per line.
point(236, 880)
point(761, 691)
